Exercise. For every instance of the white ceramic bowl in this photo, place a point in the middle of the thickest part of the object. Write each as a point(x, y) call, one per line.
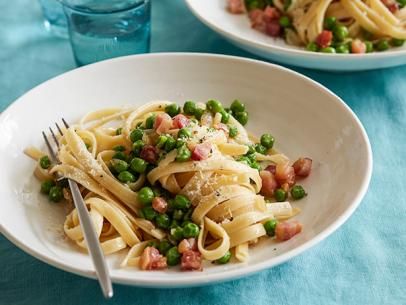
point(305, 118)
point(237, 29)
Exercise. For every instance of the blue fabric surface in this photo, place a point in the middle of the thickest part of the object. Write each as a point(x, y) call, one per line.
point(364, 262)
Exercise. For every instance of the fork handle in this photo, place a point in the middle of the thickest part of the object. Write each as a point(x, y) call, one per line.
point(92, 241)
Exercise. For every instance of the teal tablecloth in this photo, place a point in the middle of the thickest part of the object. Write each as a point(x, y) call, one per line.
point(364, 262)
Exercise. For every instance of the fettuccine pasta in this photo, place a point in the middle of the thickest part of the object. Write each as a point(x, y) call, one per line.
point(174, 186)
point(329, 26)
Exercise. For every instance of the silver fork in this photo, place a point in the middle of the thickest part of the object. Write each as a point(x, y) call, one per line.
point(89, 233)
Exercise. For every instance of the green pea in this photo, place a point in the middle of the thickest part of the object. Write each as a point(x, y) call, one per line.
point(330, 50)
point(163, 221)
point(198, 113)
point(126, 176)
point(178, 215)
point(170, 144)
point(136, 135)
point(267, 140)
point(330, 23)
point(184, 133)
point(280, 195)
point(233, 131)
point(174, 224)
point(244, 159)
point(149, 213)
point(138, 144)
point(402, 3)
point(55, 193)
point(189, 107)
point(119, 165)
point(191, 230)
point(340, 32)
point(285, 22)
point(173, 256)
point(382, 45)
point(242, 117)
point(343, 49)
point(184, 154)
point(237, 106)
point(164, 246)
point(270, 226)
point(297, 192)
point(180, 143)
point(254, 4)
point(261, 149)
point(145, 195)
point(120, 155)
point(160, 142)
point(119, 148)
point(138, 165)
point(137, 147)
point(46, 186)
point(185, 222)
point(369, 46)
point(44, 162)
point(397, 42)
point(177, 233)
point(251, 156)
point(153, 243)
point(172, 109)
point(225, 116)
point(255, 165)
point(181, 202)
point(214, 106)
point(224, 259)
point(251, 149)
point(312, 46)
point(119, 131)
point(150, 121)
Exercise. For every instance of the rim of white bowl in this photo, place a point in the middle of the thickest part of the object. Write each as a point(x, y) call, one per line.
point(225, 275)
point(288, 50)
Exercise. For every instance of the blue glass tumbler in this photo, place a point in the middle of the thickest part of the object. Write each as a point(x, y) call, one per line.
point(102, 29)
point(54, 18)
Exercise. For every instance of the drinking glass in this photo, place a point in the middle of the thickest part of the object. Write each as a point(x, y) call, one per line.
point(102, 29)
point(54, 18)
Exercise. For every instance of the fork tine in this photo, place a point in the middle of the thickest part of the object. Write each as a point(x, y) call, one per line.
point(59, 129)
point(54, 137)
point(51, 151)
point(64, 122)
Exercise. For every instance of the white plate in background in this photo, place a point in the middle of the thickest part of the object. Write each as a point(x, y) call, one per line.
point(237, 29)
point(305, 118)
